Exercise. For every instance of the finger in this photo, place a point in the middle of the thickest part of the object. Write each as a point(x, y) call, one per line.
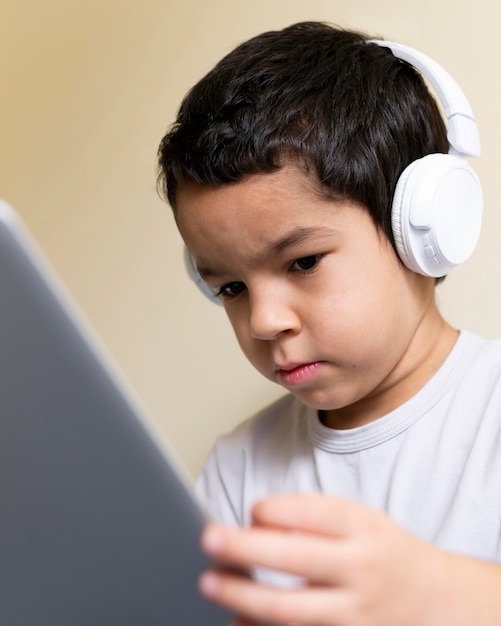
point(306, 607)
point(316, 513)
point(318, 559)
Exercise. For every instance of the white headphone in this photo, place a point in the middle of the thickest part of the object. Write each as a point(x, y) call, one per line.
point(191, 267)
point(438, 203)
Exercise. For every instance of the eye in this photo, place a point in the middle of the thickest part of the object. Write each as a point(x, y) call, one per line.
point(231, 290)
point(306, 263)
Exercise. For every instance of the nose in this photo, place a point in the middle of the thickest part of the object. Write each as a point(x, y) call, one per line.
point(271, 314)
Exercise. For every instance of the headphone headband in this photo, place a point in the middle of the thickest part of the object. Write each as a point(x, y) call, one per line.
point(462, 133)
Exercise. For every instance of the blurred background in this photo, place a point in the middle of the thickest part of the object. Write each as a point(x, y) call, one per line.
point(88, 89)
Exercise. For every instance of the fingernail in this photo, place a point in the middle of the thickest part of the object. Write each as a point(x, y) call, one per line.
point(213, 539)
point(209, 584)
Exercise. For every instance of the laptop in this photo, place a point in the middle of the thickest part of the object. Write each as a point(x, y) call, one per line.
point(98, 526)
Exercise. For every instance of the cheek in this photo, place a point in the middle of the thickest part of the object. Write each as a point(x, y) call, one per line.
point(240, 325)
point(365, 311)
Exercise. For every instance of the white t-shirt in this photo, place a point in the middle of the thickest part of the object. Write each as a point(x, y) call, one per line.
point(433, 464)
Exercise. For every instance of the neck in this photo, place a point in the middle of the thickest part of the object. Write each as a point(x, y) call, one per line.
point(425, 354)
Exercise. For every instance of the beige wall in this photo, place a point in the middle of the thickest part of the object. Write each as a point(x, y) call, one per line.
point(87, 91)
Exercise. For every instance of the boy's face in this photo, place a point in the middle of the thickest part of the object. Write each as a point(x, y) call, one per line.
point(317, 297)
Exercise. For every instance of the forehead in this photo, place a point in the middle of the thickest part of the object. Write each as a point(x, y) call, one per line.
point(268, 217)
point(257, 205)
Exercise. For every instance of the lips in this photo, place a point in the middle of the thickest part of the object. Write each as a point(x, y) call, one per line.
point(293, 375)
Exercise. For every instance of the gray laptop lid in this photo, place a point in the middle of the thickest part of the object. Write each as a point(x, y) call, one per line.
point(97, 527)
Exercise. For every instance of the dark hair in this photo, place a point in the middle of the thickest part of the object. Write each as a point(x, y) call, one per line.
point(322, 97)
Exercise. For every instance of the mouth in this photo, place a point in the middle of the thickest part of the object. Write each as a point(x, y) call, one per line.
point(294, 375)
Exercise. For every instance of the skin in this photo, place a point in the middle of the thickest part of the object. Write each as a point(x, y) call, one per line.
point(321, 305)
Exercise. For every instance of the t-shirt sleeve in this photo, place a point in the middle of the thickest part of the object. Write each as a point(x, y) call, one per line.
point(248, 464)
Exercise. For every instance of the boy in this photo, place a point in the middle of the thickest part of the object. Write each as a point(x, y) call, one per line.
point(370, 493)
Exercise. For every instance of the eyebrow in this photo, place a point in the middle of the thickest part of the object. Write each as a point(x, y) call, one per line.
point(295, 237)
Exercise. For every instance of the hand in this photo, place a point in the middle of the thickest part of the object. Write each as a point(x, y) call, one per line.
point(360, 568)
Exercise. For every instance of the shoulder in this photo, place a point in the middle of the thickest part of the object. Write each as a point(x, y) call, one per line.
point(480, 357)
point(473, 383)
point(246, 463)
point(277, 422)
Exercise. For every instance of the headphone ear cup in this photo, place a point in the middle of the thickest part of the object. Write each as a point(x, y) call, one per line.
point(191, 268)
point(436, 214)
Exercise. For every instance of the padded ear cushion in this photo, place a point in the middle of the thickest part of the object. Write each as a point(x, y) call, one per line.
point(396, 219)
point(192, 270)
point(436, 213)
